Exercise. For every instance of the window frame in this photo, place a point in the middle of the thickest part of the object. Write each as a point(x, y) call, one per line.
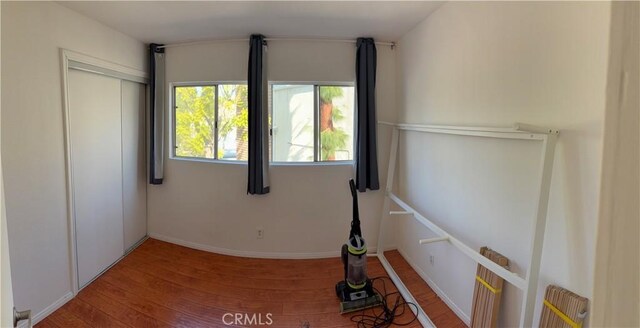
point(174, 141)
point(316, 84)
point(316, 122)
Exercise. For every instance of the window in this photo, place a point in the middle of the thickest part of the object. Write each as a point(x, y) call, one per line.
point(311, 122)
point(211, 121)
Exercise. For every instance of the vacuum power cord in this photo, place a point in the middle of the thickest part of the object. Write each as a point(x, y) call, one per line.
point(391, 308)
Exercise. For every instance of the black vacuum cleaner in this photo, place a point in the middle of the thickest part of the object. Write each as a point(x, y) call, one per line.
point(355, 291)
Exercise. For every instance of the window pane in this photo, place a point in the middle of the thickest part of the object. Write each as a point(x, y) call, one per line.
point(292, 123)
point(232, 122)
point(195, 121)
point(336, 123)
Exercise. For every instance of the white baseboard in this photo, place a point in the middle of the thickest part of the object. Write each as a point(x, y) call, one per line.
point(48, 310)
point(252, 254)
point(463, 316)
point(68, 296)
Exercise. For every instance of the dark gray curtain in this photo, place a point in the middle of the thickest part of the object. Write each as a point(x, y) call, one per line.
point(366, 144)
point(258, 129)
point(156, 129)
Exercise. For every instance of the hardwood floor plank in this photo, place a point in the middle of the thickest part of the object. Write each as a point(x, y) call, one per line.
point(175, 301)
point(435, 308)
point(277, 270)
point(148, 307)
point(64, 318)
point(117, 310)
point(130, 277)
point(164, 285)
point(91, 315)
point(220, 275)
point(221, 288)
point(47, 323)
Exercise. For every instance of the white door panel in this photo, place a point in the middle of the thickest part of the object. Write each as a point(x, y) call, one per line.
point(134, 178)
point(96, 155)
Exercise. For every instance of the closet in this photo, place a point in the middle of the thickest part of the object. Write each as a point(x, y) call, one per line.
point(107, 166)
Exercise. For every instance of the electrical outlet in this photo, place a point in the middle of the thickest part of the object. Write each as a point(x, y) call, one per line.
point(431, 259)
point(260, 233)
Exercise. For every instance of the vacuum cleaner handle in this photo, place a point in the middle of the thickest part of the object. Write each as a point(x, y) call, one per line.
point(355, 222)
point(354, 192)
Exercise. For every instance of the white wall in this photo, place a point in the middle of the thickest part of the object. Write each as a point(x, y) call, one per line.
point(496, 63)
point(308, 211)
point(33, 142)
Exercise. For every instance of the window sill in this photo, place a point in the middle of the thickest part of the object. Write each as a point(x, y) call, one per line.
point(208, 160)
point(232, 162)
point(334, 163)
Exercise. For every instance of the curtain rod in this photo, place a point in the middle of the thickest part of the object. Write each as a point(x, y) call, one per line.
point(188, 43)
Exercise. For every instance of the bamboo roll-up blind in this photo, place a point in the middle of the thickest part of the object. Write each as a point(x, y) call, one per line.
point(487, 291)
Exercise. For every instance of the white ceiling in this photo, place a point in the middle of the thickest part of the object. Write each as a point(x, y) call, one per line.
point(170, 22)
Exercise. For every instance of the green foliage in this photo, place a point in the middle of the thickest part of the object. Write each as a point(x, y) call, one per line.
point(336, 114)
point(195, 121)
point(195, 118)
point(330, 141)
point(327, 93)
point(333, 139)
point(233, 114)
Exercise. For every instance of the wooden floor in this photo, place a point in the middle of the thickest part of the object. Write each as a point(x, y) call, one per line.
point(165, 285)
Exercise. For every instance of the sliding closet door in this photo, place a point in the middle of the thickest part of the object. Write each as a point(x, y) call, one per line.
point(134, 168)
point(96, 155)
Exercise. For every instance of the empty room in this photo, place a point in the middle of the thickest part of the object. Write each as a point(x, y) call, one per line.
point(320, 164)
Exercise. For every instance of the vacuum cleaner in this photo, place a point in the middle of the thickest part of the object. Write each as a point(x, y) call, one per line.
point(356, 290)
